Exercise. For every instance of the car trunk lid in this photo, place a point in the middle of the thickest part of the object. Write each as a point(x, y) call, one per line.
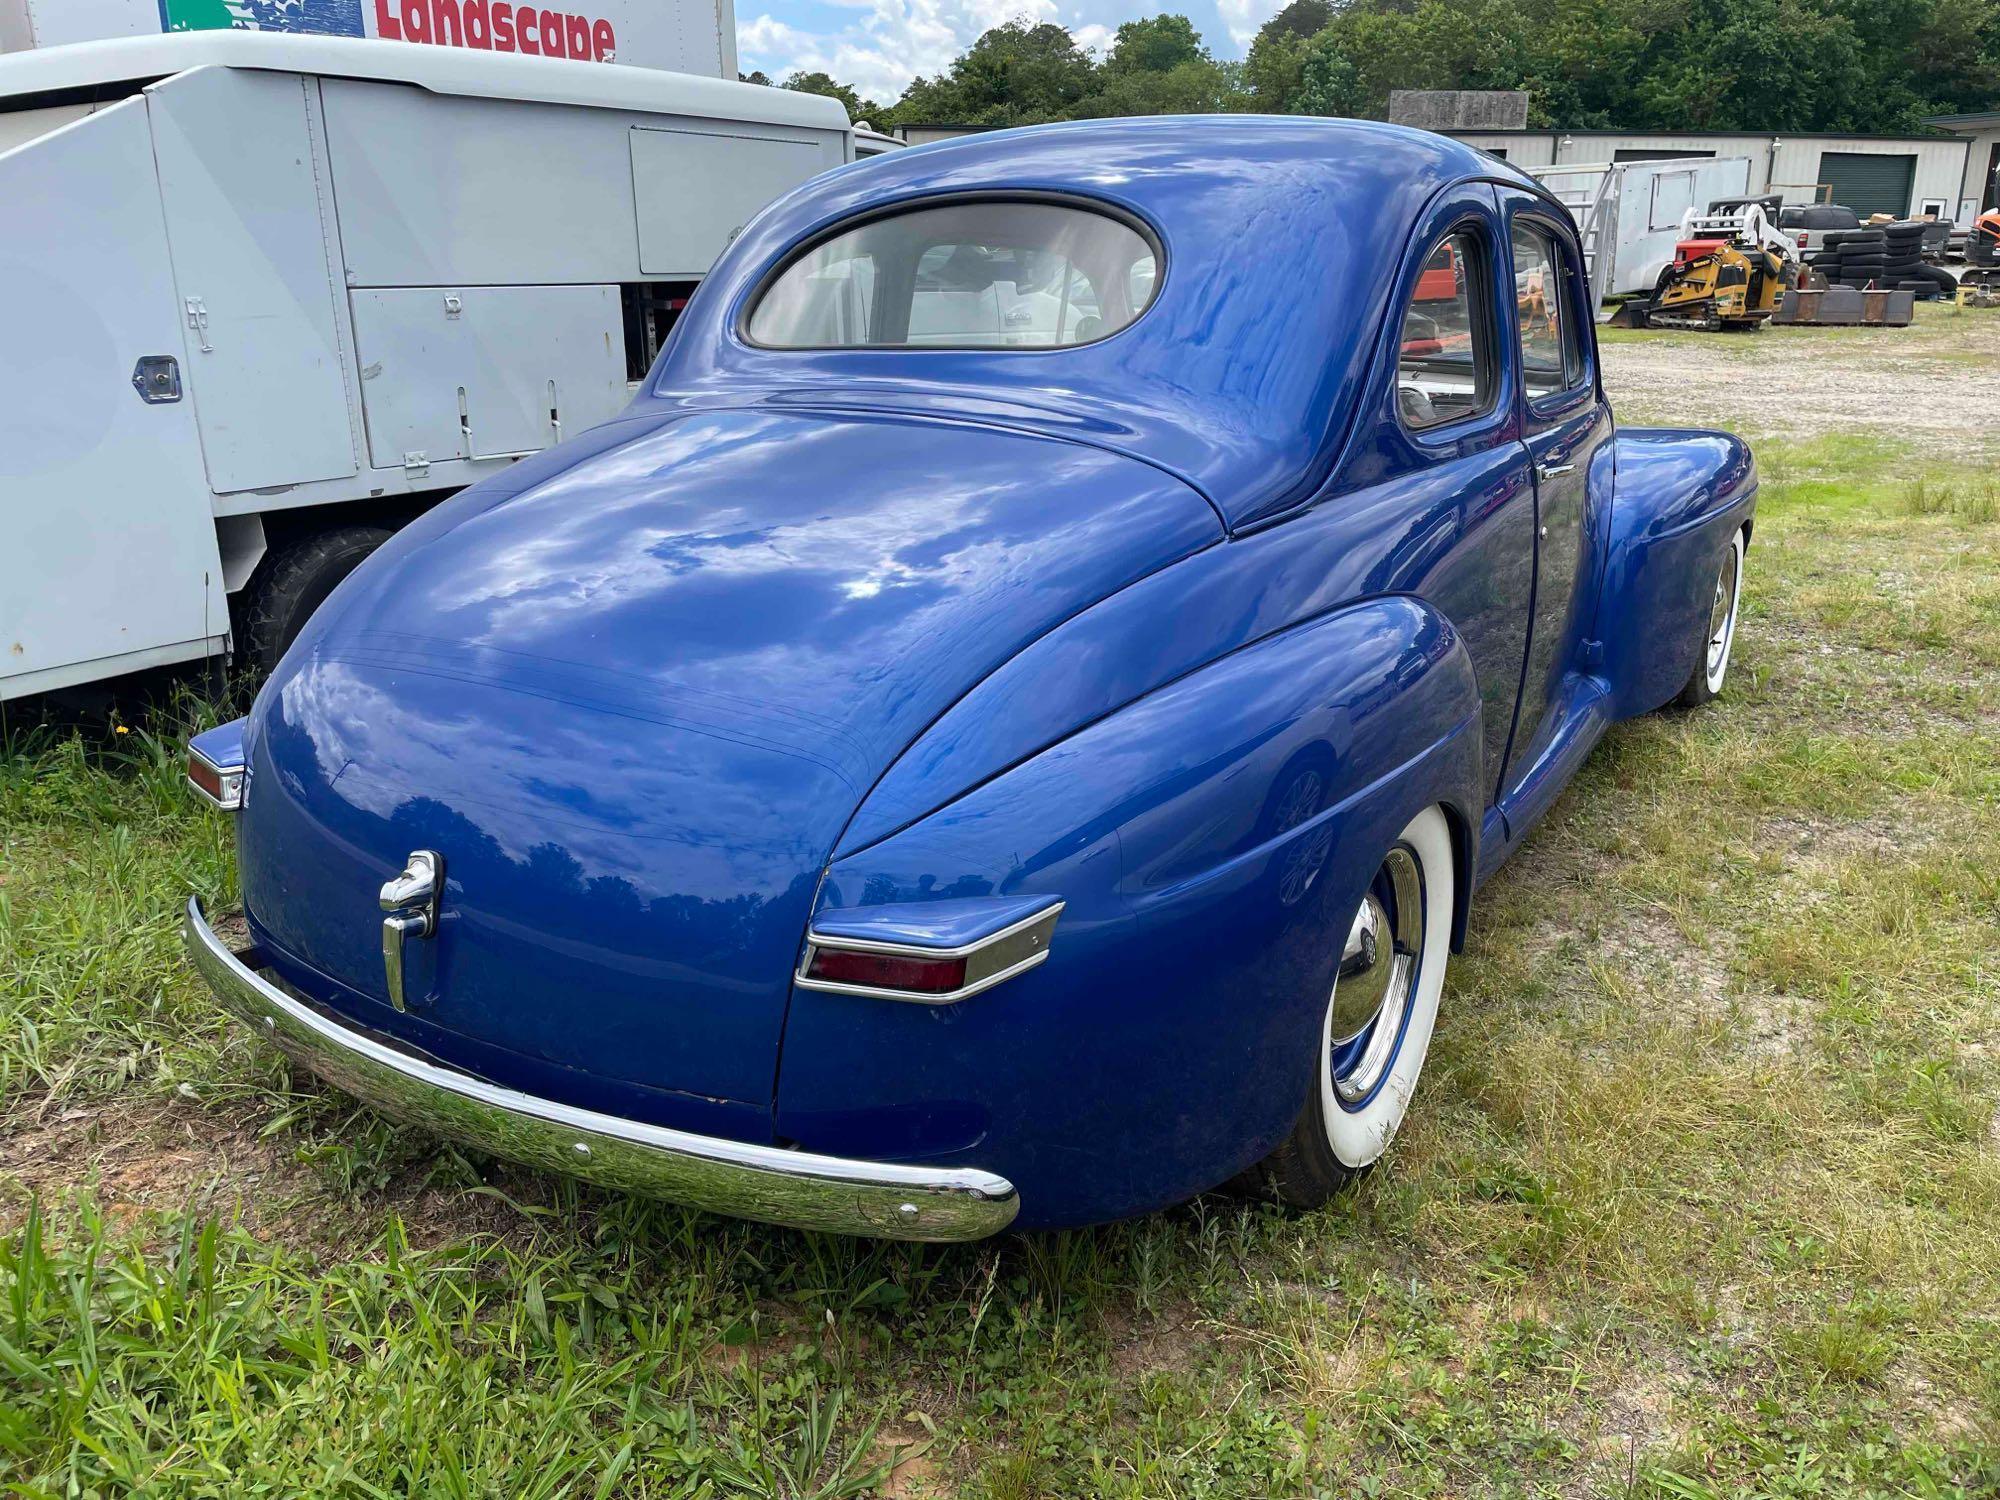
point(633, 707)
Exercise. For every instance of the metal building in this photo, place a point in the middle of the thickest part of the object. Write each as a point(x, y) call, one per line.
point(1898, 175)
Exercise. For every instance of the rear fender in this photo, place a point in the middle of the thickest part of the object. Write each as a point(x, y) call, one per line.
point(1682, 494)
point(1207, 840)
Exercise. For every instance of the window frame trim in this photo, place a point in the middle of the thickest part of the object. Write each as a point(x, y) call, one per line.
point(1480, 289)
point(827, 233)
point(1573, 393)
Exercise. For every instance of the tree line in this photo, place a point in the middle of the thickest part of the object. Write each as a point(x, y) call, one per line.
point(1869, 66)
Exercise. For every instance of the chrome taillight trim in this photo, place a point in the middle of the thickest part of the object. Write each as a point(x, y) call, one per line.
point(229, 778)
point(991, 960)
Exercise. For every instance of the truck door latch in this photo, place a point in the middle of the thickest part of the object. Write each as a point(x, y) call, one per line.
point(157, 379)
point(411, 900)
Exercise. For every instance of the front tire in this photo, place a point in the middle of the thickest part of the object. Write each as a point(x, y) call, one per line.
point(294, 582)
point(1377, 1023)
point(1718, 630)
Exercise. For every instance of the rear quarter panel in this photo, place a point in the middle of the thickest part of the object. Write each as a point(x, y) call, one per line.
point(1208, 840)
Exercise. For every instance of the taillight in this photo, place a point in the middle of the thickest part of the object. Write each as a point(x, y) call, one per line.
point(221, 785)
point(215, 765)
point(887, 971)
point(932, 952)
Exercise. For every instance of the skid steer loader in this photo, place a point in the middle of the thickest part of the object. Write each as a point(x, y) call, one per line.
point(1730, 268)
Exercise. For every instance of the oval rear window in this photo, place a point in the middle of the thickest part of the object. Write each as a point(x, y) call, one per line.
point(991, 274)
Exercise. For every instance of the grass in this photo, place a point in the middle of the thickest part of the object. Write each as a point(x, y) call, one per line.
point(1701, 1195)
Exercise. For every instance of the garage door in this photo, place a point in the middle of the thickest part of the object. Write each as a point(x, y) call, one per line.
point(1867, 183)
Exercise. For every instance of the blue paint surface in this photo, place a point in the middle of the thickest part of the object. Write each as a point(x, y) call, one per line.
point(317, 17)
point(1180, 628)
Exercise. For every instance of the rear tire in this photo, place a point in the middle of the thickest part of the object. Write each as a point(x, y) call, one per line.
point(1392, 967)
point(1717, 633)
point(291, 584)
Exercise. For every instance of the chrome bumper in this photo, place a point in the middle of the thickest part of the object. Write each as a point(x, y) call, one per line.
point(725, 1177)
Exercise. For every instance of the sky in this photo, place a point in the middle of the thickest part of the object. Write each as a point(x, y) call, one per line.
point(878, 46)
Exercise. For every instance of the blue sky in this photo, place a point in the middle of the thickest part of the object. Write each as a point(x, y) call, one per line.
point(879, 45)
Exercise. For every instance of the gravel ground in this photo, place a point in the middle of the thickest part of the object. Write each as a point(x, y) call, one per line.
point(1920, 383)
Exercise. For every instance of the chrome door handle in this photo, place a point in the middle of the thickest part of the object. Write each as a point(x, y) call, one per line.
point(394, 930)
point(411, 900)
point(1554, 471)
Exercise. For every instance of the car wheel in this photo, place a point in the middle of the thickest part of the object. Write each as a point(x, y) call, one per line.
point(1376, 1026)
point(1718, 629)
point(294, 582)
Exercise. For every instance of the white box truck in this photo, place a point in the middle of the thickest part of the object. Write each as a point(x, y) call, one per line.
point(267, 298)
point(670, 34)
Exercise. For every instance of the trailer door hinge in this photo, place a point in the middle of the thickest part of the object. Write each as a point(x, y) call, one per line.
point(453, 305)
point(417, 464)
point(197, 318)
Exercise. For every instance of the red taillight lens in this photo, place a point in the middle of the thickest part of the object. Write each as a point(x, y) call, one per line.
point(222, 786)
point(205, 776)
point(887, 971)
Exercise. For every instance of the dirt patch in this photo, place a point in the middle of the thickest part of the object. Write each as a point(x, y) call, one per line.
point(1907, 383)
point(1140, 1348)
point(912, 1475)
point(142, 1155)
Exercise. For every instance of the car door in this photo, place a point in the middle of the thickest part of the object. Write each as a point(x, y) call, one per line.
point(1451, 433)
point(1566, 424)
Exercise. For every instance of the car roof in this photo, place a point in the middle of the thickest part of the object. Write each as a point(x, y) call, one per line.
point(1281, 235)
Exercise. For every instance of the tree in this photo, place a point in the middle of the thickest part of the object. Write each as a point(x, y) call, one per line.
point(1156, 45)
point(1015, 74)
point(1779, 65)
point(1329, 83)
point(857, 107)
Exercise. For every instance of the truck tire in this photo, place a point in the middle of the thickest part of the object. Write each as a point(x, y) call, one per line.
point(292, 583)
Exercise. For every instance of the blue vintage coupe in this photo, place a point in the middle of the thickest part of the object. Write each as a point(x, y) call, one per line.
point(1007, 726)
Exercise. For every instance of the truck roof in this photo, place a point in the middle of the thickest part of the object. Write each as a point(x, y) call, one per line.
point(94, 69)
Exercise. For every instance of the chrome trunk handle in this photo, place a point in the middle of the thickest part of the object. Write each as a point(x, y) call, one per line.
point(411, 900)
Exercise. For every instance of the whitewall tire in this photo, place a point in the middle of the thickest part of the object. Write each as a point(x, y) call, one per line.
point(1376, 1027)
point(1718, 629)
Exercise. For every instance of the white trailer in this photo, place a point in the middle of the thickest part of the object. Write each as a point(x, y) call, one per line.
point(268, 298)
point(1629, 213)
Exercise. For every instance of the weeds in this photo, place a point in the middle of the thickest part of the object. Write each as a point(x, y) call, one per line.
point(1972, 500)
point(1700, 1196)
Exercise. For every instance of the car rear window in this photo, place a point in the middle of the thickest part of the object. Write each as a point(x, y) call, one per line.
point(982, 274)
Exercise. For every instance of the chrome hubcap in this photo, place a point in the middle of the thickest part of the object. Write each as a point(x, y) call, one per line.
point(1377, 975)
point(1722, 614)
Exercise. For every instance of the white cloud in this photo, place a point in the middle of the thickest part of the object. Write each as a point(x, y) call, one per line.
point(888, 44)
point(1094, 37)
point(1243, 17)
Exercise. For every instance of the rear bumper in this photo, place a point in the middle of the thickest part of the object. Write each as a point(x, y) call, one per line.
point(727, 1177)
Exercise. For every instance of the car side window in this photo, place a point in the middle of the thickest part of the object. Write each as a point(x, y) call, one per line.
point(1444, 371)
point(1551, 357)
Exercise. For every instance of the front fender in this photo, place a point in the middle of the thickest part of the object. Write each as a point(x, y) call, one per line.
point(1681, 495)
point(1208, 840)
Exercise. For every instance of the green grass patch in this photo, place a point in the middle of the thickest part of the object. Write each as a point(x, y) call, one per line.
point(1700, 1195)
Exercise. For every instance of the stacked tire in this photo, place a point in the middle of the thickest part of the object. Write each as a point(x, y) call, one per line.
point(1903, 250)
point(1854, 257)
